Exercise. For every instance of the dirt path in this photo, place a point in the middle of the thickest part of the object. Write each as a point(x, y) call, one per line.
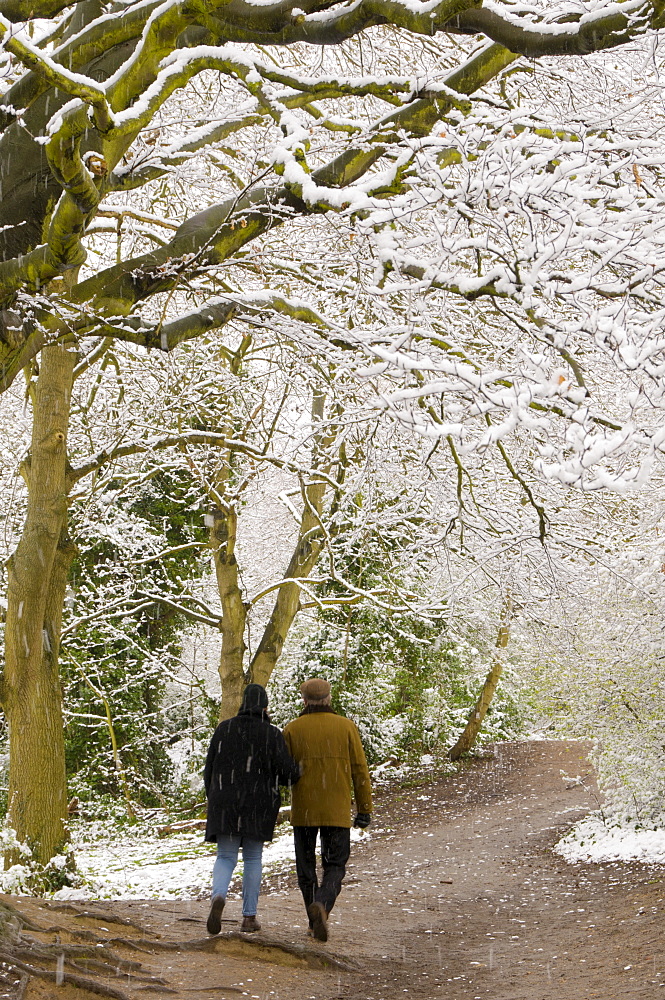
point(457, 895)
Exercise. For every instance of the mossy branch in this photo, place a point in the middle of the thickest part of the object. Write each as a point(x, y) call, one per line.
point(56, 76)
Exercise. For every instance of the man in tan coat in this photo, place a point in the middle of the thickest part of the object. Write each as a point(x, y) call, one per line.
point(332, 760)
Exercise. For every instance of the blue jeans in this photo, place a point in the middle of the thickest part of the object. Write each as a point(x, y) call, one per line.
point(227, 856)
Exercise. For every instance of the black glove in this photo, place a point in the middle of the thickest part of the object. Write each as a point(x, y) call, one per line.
point(362, 820)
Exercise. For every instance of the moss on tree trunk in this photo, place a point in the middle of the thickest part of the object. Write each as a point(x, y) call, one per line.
point(32, 695)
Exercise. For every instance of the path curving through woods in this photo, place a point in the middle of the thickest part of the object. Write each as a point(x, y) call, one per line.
point(457, 895)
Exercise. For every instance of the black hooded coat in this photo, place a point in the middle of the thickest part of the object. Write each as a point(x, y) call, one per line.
point(247, 762)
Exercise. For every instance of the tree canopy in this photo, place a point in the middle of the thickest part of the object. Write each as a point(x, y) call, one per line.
point(169, 168)
point(438, 221)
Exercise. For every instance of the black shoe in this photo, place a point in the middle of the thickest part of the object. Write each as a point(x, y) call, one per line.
point(249, 924)
point(214, 922)
point(318, 915)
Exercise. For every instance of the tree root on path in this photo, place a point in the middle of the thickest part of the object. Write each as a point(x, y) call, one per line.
point(76, 961)
point(29, 947)
point(162, 990)
point(12, 982)
point(102, 915)
point(145, 945)
point(314, 958)
point(89, 961)
point(22, 986)
point(92, 964)
point(91, 985)
point(307, 954)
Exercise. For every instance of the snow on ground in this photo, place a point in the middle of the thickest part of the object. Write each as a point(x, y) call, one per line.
point(135, 864)
point(591, 839)
point(138, 864)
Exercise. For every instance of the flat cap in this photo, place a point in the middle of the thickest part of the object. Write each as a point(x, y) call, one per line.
point(315, 689)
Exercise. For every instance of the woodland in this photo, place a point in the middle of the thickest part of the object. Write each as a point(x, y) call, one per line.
point(331, 342)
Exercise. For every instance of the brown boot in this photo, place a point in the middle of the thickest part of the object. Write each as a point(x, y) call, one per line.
point(317, 913)
point(214, 924)
point(249, 924)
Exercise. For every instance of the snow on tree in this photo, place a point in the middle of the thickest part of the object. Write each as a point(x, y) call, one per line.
point(393, 179)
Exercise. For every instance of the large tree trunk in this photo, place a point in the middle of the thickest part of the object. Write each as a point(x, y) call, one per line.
point(31, 692)
point(287, 604)
point(475, 720)
point(234, 612)
point(305, 555)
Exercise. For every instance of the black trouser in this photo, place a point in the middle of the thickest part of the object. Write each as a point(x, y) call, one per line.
point(335, 850)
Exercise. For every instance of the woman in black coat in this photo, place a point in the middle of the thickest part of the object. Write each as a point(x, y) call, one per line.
point(246, 763)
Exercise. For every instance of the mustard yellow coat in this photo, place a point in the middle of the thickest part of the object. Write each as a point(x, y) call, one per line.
point(327, 746)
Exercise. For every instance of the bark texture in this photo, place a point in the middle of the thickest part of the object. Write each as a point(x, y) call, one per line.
point(234, 613)
point(32, 696)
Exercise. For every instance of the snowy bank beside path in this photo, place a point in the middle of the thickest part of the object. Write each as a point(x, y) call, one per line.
point(591, 839)
point(135, 864)
point(601, 837)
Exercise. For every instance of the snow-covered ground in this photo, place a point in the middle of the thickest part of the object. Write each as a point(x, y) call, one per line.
point(137, 865)
point(134, 864)
point(119, 861)
point(593, 840)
